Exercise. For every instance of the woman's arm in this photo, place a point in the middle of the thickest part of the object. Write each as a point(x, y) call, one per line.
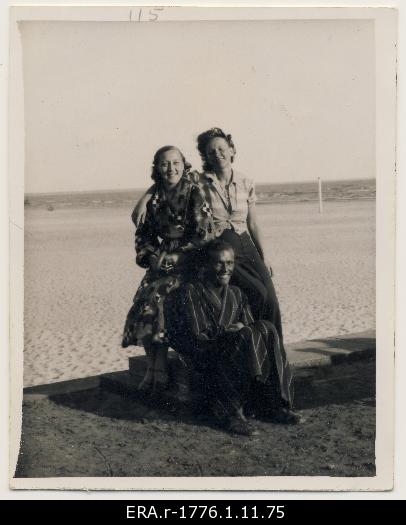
point(255, 231)
point(147, 245)
point(140, 210)
point(256, 235)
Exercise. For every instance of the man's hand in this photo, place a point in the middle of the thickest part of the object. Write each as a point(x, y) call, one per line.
point(139, 216)
point(235, 327)
point(140, 211)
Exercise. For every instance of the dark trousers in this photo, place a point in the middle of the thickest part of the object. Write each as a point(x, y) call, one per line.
point(253, 277)
point(224, 370)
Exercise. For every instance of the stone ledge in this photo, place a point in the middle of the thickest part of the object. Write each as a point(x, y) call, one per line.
point(307, 358)
point(63, 387)
point(332, 350)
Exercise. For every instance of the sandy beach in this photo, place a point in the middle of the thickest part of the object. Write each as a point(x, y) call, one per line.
point(80, 277)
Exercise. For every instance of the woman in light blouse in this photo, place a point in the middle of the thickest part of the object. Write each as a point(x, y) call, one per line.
point(231, 197)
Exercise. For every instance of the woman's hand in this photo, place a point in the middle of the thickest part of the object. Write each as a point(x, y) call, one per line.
point(267, 263)
point(155, 262)
point(171, 261)
point(235, 327)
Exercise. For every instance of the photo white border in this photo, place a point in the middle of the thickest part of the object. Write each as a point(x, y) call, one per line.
point(385, 30)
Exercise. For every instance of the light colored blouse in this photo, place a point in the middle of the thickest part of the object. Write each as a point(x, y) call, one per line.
point(230, 209)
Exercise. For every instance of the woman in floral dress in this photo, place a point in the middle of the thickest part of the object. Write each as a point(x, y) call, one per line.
point(178, 222)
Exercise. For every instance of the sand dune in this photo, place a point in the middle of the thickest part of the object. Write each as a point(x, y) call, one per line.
point(80, 277)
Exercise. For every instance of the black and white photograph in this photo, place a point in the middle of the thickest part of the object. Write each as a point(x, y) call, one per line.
point(203, 250)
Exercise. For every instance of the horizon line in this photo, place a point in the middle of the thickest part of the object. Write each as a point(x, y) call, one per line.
point(143, 188)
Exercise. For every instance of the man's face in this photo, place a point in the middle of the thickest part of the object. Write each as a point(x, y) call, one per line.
point(221, 267)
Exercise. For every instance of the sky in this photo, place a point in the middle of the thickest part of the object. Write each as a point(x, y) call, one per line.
point(100, 98)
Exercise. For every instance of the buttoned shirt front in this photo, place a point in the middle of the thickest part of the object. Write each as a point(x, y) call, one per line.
point(230, 208)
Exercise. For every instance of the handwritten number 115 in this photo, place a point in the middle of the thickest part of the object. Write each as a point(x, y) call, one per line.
point(145, 15)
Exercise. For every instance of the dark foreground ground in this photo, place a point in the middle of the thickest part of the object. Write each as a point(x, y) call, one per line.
point(97, 433)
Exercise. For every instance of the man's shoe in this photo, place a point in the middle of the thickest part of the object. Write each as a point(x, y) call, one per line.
point(284, 416)
point(237, 425)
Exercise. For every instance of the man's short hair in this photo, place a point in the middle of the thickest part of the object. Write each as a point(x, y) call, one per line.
point(216, 246)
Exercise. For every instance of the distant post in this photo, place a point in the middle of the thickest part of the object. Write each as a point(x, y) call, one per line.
point(320, 197)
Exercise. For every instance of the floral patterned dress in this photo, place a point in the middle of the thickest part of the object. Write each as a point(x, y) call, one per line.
point(178, 220)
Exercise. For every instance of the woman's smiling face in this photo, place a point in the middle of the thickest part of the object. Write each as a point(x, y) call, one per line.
point(219, 153)
point(170, 167)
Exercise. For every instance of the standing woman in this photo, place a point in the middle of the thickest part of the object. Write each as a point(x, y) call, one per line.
point(177, 222)
point(231, 197)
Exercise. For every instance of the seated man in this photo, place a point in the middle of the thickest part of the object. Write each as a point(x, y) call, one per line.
point(240, 360)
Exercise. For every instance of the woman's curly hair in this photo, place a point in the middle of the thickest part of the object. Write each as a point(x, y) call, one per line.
point(155, 176)
point(204, 138)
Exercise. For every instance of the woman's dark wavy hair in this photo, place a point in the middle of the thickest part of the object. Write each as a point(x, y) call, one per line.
point(204, 138)
point(155, 176)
